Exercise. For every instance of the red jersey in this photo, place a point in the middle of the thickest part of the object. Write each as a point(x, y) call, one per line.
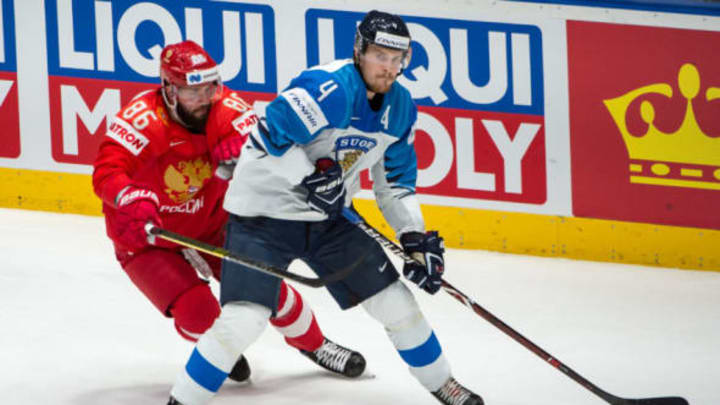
point(145, 147)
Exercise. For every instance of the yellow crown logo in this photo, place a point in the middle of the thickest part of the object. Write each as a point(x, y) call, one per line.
point(685, 149)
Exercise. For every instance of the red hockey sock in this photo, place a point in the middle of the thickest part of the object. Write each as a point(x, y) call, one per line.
point(296, 321)
point(194, 312)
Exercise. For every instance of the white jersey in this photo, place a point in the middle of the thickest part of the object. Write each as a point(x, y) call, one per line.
point(325, 113)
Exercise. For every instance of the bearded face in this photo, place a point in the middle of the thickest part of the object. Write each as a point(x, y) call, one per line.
point(196, 117)
point(194, 103)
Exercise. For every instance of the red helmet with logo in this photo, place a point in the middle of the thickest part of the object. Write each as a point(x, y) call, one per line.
point(187, 64)
point(182, 66)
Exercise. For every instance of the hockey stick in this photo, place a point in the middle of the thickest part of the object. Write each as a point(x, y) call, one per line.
point(353, 217)
point(253, 264)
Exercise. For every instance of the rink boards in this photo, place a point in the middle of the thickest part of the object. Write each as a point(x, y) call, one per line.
point(557, 130)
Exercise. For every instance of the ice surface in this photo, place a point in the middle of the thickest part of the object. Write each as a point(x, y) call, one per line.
point(74, 330)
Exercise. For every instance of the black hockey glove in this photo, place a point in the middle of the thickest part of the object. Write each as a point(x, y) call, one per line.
point(326, 190)
point(428, 249)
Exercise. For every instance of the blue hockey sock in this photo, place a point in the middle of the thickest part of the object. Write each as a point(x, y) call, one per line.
point(204, 373)
point(422, 355)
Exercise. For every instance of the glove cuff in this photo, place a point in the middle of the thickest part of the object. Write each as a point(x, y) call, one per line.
point(412, 241)
point(429, 241)
point(130, 194)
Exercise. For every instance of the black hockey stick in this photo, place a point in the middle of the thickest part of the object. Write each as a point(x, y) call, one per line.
point(353, 217)
point(245, 261)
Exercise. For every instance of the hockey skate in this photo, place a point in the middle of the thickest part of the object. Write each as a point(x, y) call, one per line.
point(240, 371)
point(173, 401)
point(338, 359)
point(452, 393)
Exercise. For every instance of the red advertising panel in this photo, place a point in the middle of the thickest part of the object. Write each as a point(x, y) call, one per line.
point(81, 111)
point(9, 115)
point(10, 134)
point(645, 124)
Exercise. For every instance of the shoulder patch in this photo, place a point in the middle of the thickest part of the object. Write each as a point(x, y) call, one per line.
point(127, 136)
point(306, 108)
point(245, 123)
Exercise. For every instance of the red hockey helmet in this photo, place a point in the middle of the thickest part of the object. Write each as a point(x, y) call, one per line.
point(187, 64)
point(189, 77)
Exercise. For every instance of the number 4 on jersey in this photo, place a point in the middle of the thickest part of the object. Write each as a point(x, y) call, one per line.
point(385, 120)
point(326, 88)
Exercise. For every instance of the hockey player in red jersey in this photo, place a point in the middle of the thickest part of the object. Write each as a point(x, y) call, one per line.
point(163, 160)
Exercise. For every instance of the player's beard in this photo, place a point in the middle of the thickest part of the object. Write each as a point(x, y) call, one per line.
point(195, 120)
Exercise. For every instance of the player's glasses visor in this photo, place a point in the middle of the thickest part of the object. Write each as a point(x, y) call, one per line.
point(203, 92)
point(385, 59)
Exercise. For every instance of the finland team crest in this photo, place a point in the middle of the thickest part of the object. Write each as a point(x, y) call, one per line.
point(348, 149)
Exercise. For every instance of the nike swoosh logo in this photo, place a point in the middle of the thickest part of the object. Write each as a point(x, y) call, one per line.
point(382, 268)
point(176, 143)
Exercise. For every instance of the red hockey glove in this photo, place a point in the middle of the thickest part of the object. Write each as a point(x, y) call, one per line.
point(136, 207)
point(227, 152)
point(428, 249)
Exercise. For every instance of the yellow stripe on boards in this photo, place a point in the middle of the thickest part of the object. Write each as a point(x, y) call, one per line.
point(569, 237)
point(510, 232)
point(48, 191)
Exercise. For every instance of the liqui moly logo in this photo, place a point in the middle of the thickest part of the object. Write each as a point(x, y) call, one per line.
point(102, 53)
point(480, 130)
point(123, 40)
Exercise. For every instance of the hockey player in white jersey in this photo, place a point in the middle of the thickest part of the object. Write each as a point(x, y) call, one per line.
point(294, 177)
